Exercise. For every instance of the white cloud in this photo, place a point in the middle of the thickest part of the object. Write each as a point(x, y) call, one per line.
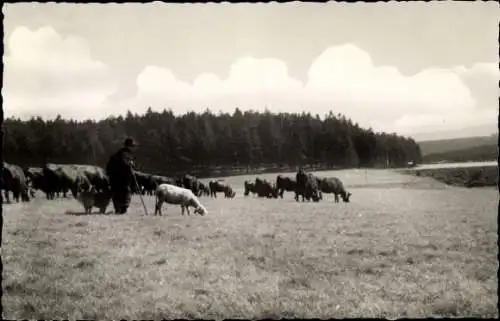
point(208, 84)
point(347, 80)
point(158, 80)
point(46, 74)
point(251, 83)
point(448, 120)
point(343, 79)
point(482, 79)
point(250, 75)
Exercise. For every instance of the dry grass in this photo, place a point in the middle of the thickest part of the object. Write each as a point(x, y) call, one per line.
point(478, 176)
point(417, 249)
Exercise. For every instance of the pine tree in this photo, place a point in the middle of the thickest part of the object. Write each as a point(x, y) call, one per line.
point(169, 144)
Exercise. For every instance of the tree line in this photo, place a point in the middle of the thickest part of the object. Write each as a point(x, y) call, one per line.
point(199, 143)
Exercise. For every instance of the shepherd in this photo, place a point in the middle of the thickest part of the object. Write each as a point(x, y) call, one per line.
point(120, 170)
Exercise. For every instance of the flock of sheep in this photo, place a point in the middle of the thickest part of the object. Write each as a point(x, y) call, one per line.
point(90, 186)
point(306, 185)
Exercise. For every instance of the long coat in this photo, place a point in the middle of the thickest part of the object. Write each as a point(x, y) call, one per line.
point(120, 168)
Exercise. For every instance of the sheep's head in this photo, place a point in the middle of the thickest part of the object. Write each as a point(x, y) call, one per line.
point(346, 197)
point(201, 210)
point(24, 195)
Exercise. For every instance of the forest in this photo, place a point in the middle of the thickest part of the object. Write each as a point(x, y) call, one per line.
point(201, 143)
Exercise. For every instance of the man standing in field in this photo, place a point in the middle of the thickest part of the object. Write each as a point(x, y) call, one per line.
point(120, 170)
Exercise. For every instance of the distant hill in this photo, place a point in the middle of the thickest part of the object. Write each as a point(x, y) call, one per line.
point(472, 154)
point(456, 144)
point(486, 129)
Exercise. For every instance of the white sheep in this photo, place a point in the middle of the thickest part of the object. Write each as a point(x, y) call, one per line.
point(173, 194)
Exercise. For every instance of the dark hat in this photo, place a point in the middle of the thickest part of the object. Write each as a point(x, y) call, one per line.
point(130, 142)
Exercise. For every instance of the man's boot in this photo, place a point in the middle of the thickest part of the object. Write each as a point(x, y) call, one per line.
point(116, 206)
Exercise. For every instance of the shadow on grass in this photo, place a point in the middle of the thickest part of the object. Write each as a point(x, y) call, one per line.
point(91, 213)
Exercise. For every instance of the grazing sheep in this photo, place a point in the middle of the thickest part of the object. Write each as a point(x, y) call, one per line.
point(221, 186)
point(335, 186)
point(173, 194)
point(204, 189)
point(14, 180)
point(229, 192)
point(93, 198)
point(264, 188)
point(285, 184)
point(307, 186)
point(249, 187)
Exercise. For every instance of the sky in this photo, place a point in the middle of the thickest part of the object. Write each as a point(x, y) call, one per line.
point(420, 69)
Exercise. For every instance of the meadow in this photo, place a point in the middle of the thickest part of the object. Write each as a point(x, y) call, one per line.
point(474, 175)
point(405, 246)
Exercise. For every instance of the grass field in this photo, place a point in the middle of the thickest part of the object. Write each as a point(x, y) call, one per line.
point(473, 176)
point(404, 247)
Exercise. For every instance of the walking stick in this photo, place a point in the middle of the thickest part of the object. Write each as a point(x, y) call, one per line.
point(140, 195)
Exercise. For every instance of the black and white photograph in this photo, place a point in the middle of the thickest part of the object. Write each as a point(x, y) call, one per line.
point(271, 160)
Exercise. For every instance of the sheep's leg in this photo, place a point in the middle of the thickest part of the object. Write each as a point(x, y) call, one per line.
point(336, 198)
point(182, 209)
point(15, 195)
point(158, 206)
